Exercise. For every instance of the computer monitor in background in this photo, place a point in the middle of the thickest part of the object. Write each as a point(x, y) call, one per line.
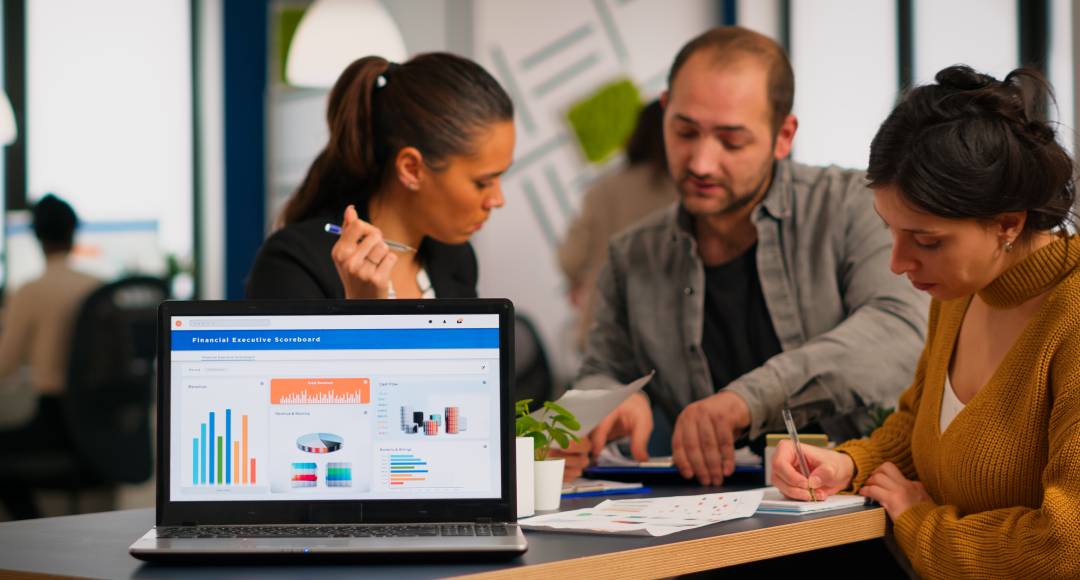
point(105, 249)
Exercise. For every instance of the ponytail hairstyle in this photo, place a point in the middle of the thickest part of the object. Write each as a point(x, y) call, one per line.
point(972, 147)
point(435, 102)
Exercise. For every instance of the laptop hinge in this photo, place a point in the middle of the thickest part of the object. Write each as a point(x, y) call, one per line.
point(483, 520)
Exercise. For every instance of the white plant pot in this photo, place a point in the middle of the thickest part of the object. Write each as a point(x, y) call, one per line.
point(549, 476)
point(526, 498)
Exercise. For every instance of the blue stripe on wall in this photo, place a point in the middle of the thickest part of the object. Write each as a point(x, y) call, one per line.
point(729, 12)
point(245, 29)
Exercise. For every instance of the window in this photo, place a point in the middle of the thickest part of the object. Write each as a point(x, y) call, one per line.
point(844, 53)
point(109, 121)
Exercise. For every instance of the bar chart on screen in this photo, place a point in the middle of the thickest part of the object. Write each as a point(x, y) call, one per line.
point(221, 452)
point(333, 391)
point(457, 466)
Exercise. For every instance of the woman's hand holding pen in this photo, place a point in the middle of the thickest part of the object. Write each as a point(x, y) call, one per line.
point(896, 493)
point(830, 471)
point(362, 258)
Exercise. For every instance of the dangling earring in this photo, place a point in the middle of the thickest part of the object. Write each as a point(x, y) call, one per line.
point(1007, 246)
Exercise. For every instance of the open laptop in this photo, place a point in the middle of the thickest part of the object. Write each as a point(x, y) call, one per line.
point(334, 428)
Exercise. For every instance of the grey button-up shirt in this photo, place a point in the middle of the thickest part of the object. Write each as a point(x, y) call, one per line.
point(851, 330)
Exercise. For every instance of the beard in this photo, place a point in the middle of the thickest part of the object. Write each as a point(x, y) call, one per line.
point(732, 201)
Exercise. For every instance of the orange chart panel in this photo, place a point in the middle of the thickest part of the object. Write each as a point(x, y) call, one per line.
point(320, 391)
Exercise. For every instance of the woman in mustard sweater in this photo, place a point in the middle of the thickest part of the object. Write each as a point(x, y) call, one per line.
point(979, 467)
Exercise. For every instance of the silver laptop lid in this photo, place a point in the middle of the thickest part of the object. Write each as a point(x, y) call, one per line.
point(335, 411)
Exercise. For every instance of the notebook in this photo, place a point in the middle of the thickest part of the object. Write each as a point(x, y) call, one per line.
point(774, 502)
point(334, 428)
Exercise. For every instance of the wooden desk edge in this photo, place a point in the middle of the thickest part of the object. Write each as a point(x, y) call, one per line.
point(707, 553)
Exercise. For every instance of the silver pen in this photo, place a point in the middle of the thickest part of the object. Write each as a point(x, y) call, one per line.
point(396, 246)
point(803, 467)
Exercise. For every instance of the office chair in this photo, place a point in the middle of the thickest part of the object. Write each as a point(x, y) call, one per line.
point(534, 378)
point(111, 378)
point(110, 390)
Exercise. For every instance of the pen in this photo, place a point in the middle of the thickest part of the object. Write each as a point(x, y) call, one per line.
point(396, 246)
point(790, 424)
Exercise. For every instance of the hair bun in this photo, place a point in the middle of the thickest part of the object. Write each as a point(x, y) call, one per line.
point(964, 78)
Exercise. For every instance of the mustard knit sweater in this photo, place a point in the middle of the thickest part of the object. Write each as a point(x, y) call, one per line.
point(1005, 475)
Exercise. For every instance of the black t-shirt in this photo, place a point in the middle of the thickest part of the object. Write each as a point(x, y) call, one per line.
point(738, 335)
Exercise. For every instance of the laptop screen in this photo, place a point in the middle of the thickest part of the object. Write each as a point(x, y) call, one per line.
point(334, 407)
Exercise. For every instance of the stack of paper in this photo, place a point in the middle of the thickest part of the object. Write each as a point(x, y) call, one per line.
point(658, 516)
point(774, 502)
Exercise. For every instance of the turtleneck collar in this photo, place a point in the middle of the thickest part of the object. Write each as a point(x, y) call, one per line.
point(1034, 274)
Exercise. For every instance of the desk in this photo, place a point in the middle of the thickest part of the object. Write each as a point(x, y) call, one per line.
point(96, 545)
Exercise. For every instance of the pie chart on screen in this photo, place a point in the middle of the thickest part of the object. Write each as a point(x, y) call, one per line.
point(319, 442)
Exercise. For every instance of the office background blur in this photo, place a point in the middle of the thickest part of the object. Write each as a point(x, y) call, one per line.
point(169, 126)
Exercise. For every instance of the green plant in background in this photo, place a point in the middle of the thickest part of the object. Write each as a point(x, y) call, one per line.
point(556, 424)
point(603, 121)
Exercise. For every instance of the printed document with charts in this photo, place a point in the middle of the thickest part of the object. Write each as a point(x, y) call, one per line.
point(657, 516)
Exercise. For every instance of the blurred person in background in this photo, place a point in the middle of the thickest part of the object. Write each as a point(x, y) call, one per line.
point(612, 203)
point(35, 342)
point(415, 156)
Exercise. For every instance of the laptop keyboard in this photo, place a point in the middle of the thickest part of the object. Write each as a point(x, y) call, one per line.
point(335, 531)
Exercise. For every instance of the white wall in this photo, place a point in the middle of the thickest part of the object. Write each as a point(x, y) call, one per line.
point(980, 33)
point(845, 77)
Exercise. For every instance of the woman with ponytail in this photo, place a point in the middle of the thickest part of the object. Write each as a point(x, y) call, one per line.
point(411, 170)
point(979, 467)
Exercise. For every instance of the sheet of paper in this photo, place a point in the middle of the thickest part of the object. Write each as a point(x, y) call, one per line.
point(590, 406)
point(774, 502)
point(654, 516)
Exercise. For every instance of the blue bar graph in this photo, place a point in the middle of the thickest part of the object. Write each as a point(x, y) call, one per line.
point(202, 454)
point(228, 446)
point(222, 467)
point(213, 479)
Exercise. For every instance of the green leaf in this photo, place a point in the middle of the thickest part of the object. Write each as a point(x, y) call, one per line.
point(555, 407)
point(568, 420)
point(539, 439)
point(561, 437)
point(526, 424)
point(522, 407)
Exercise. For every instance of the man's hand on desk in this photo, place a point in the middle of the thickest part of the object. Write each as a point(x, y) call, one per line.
point(703, 443)
point(632, 417)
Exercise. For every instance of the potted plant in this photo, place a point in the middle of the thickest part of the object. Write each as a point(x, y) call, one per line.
point(554, 425)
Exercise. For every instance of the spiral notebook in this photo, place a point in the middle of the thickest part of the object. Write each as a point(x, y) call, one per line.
point(774, 502)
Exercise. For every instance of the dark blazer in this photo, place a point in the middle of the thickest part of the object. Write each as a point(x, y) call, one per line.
point(295, 263)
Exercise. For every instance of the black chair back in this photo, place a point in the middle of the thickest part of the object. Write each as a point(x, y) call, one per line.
point(534, 378)
point(110, 386)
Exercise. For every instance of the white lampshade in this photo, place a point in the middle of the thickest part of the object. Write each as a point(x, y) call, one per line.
point(334, 33)
point(8, 132)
